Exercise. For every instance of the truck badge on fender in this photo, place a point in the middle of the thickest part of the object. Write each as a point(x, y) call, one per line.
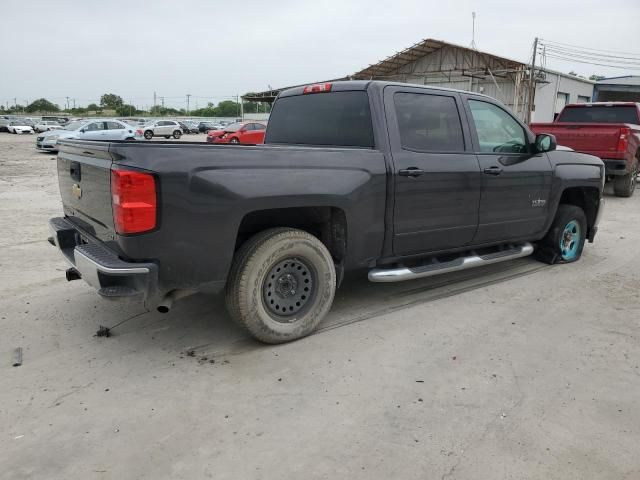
point(76, 190)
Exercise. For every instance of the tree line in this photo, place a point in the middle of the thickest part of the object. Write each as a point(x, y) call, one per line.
point(115, 103)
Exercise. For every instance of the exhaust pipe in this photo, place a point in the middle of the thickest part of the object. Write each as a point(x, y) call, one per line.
point(72, 274)
point(174, 295)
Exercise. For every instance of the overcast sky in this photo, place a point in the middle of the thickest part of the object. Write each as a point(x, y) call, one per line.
point(217, 49)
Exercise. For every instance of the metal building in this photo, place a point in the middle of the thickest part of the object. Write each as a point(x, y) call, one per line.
point(623, 89)
point(443, 64)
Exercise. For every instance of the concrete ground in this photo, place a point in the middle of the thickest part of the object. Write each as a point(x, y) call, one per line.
point(518, 370)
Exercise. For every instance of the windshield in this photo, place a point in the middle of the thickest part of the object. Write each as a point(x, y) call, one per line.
point(74, 125)
point(234, 127)
point(19, 124)
point(600, 114)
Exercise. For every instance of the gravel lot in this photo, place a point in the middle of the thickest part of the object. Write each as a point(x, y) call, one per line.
point(515, 371)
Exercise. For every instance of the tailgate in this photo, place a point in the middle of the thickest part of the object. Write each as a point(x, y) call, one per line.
point(594, 138)
point(84, 177)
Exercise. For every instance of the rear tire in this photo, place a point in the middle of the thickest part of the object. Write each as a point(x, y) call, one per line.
point(625, 185)
point(234, 140)
point(148, 134)
point(565, 239)
point(281, 285)
point(177, 134)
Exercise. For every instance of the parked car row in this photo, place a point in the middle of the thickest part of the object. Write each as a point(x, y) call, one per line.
point(93, 129)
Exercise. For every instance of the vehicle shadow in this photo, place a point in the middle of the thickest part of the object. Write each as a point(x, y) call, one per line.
point(199, 326)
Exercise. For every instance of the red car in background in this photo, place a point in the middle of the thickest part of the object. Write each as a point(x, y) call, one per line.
point(248, 133)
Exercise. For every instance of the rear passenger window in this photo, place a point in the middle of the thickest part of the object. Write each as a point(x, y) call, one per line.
point(93, 127)
point(114, 126)
point(428, 123)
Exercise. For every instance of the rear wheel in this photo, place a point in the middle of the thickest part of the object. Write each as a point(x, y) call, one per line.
point(565, 239)
point(234, 140)
point(148, 134)
point(625, 185)
point(176, 134)
point(281, 285)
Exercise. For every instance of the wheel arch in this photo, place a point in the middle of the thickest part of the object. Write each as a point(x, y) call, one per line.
point(327, 223)
point(587, 198)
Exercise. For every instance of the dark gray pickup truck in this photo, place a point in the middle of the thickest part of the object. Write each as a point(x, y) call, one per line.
point(403, 180)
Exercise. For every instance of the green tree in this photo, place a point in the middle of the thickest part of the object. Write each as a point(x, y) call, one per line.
point(42, 105)
point(92, 107)
point(228, 108)
point(125, 110)
point(111, 100)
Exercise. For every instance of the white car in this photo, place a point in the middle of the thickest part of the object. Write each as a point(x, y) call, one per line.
point(162, 128)
point(47, 126)
point(19, 127)
point(96, 129)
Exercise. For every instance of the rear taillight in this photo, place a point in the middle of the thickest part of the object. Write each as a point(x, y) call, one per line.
point(317, 88)
point(623, 140)
point(134, 202)
point(139, 132)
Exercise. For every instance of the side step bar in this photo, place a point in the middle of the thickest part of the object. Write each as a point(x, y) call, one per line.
point(400, 274)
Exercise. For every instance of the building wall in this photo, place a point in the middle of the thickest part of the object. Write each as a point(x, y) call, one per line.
point(451, 67)
point(557, 90)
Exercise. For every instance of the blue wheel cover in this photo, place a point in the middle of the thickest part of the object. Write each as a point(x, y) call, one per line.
point(570, 240)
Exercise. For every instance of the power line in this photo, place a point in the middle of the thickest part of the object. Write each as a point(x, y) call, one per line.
point(569, 59)
point(590, 55)
point(547, 42)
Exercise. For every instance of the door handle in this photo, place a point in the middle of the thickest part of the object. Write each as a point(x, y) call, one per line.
point(493, 170)
point(411, 172)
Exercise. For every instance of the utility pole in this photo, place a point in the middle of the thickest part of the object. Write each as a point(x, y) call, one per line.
point(162, 99)
point(473, 30)
point(532, 83)
point(188, 95)
point(67, 104)
point(15, 103)
point(154, 100)
point(74, 103)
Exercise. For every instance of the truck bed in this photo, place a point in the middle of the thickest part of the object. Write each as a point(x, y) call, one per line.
point(207, 190)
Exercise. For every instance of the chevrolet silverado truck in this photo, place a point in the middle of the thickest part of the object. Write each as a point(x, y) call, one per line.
point(609, 130)
point(402, 180)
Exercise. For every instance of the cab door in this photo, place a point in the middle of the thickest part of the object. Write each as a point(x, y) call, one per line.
point(516, 181)
point(436, 174)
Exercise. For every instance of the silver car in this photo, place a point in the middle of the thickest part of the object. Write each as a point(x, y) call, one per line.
point(107, 129)
point(162, 128)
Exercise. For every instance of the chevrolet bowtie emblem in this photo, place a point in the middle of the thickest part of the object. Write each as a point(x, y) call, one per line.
point(76, 190)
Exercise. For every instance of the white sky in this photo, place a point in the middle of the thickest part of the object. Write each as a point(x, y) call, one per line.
point(216, 49)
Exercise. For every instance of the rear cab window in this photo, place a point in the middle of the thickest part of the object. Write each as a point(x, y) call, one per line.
point(341, 119)
point(600, 114)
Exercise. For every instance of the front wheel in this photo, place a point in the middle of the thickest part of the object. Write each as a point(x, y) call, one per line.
point(281, 285)
point(234, 140)
point(565, 239)
point(148, 134)
point(177, 134)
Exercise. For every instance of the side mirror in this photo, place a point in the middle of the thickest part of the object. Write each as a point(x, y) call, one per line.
point(82, 130)
point(545, 142)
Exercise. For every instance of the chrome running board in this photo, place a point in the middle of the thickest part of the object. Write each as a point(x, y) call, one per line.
point(400, 274)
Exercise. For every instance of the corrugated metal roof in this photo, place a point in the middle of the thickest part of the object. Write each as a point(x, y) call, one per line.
point(627, 80)
point(417, 51)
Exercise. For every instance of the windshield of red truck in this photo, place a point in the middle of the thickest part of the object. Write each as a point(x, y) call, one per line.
point(330, 119)
point(600, 114)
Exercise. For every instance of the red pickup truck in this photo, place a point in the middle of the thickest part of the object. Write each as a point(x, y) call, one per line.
point(609, 130)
